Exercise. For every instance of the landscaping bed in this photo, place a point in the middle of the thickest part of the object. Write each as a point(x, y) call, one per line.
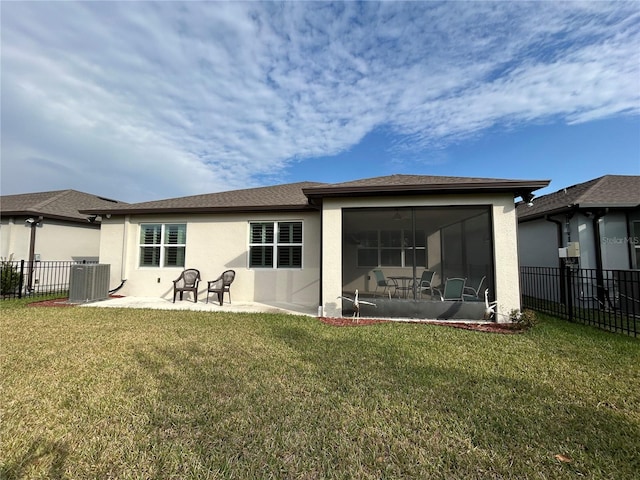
point(508, 328)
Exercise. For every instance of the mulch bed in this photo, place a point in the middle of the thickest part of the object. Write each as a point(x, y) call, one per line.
point(505, 328)
point(60, 302)
point(55, 302)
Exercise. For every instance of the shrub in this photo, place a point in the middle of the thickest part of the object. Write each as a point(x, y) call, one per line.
point(9, 276)
point(524, 319)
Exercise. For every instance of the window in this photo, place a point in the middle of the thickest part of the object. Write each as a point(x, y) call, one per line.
point(162, 245)
point(390, 248)
point(275, 245)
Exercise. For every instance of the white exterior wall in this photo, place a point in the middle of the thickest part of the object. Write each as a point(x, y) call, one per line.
point(538, 244)
point(504, 232)
point(10, 239)
point(332, 257)
point(615, 242)
point(582, 231)
point(214, 243)
point(113, 242)
point(55, 240)
point(537, 237)
point(505, 244)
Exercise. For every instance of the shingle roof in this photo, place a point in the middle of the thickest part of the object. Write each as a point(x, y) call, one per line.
point(280, 197)
point(296, 196)
point(407, 184)
point(60, 204)
point(404, 180)
point(613, 191)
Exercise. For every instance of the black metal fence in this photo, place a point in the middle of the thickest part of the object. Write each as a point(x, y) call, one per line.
point(33, 279)
point(608, 299)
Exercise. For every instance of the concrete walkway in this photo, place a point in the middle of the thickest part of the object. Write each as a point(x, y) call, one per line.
point(201, 306)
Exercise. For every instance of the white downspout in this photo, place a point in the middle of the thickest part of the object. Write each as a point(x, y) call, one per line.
point(125, 237)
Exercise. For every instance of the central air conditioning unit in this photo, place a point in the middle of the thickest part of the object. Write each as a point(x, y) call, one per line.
point(89, 283)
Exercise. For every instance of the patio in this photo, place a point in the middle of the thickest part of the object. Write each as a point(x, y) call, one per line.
point(157, 303)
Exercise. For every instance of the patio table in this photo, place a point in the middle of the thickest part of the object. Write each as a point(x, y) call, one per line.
point(405, 282)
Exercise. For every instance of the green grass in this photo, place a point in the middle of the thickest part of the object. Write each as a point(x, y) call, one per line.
point(102, 393)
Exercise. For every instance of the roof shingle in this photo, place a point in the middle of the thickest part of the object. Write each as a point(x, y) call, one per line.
point(296, 196)
point(621, 191)
point(61, 204)
point(288, 196)
point(424, 184)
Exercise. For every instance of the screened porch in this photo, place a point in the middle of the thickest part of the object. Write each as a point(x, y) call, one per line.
point(418, 262)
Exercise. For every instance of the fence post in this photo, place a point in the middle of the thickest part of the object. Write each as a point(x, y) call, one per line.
point(563, 286)
point(21, 281)
point(569, 293)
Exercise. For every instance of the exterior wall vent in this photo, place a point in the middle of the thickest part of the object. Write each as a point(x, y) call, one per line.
point(89, 283)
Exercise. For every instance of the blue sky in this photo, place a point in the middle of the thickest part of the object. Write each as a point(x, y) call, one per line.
point(147, 100)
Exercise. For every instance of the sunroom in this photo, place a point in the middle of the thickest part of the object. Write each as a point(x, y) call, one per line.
point(418, 262)
point(440, 248)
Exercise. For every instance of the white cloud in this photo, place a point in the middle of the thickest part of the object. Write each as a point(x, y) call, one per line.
point(151, 99)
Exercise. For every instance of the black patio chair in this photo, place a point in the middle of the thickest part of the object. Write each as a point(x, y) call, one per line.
point(221, 284)
point(187, 282)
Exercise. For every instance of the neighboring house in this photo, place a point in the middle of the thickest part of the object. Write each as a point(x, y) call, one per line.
point(308, 243)
point(601, 215)
point(49, 227)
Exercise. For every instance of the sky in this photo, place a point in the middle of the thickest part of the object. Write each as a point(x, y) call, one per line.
point(140, 101)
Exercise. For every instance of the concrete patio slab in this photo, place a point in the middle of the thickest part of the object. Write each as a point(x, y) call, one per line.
point(164, 304)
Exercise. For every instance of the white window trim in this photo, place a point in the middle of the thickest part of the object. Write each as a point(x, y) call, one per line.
point(275, 245)
point(403, 251)
point(162, 245)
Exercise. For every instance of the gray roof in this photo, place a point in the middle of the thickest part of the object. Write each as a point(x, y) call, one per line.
point(608, 191)
point(59, 204)
point(425, 184)
point(280, 197)
point(301, 196)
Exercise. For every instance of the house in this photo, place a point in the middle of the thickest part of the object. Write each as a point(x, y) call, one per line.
point(309, 243)
point(48, 226)
point(600, 219)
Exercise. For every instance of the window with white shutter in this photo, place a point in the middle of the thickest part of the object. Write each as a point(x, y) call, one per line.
point(163, 245)
point(275, 245)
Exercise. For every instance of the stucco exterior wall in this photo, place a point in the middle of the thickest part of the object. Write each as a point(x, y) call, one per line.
point(615, 242)
point(538, 244)
point(113, 242)
point(504, 232)
point(55, 240)
point(7, 238)
point(214, 243)
point(507, 276)
point(634, 238)
point(581, 230)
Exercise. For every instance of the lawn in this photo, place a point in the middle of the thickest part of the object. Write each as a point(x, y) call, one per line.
point(113, 393)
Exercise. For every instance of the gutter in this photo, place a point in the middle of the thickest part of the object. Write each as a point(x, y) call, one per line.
point(516, 187)
point(559, 226)
point(49, 216)
point(190, 210)
point(125, 235)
